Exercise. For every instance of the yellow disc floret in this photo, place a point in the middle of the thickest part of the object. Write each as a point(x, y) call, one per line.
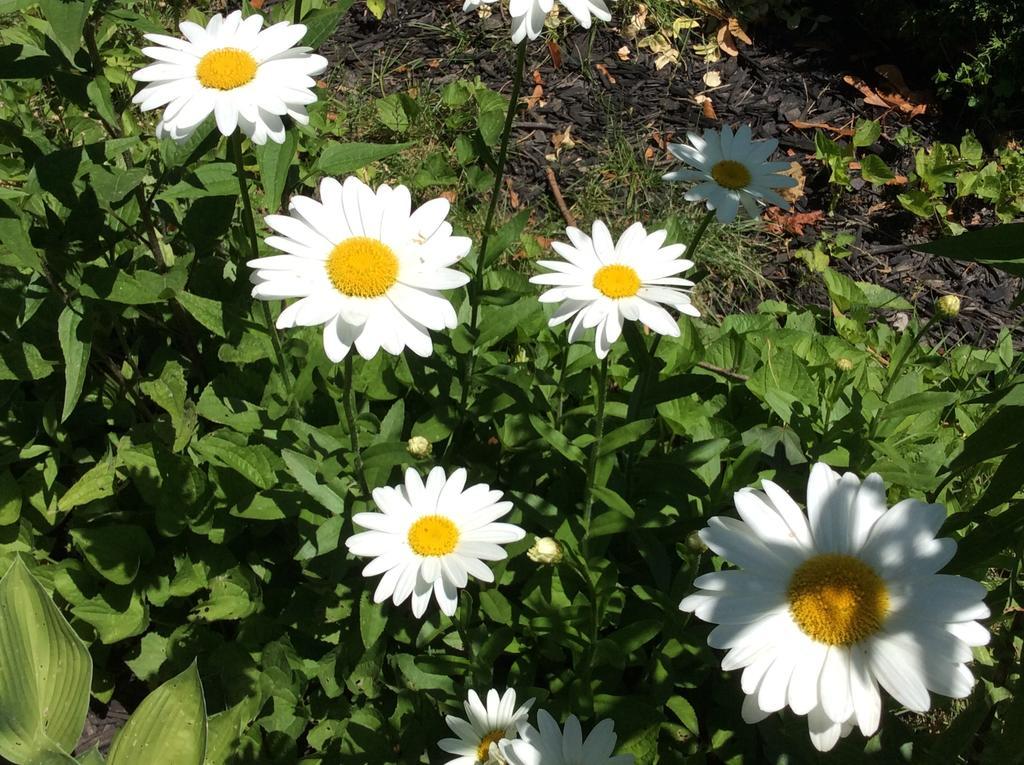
point(433, 535)
point(484, 749)
point(226, 69)
point(730, 174)
point(617, 281)
point(362, 267)
point(837, 599)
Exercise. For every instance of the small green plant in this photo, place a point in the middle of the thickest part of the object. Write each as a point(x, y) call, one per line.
point(842, 158)
point(830, 246)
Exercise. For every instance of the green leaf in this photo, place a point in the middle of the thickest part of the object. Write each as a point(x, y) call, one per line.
point(67, 20)
point(999, 246)
point(92, 757)
point(320, 24)
point(113, 186)
point(76, 345)
point(169, 392)
point(866, 133)
point(223, 733)
point(874, 170)
point(304, 470)
point(275, 160)
point(10, 498)
point(209, 313)
point(372, 620)
point(391, 113)
point(45, 674)
point(102, 98)
point(252, 462)
point(171, 720)
point(342, 158)
point(98, 482)
point(115, 551)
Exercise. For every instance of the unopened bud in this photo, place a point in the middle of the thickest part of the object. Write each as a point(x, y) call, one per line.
point(947, 307)
point(695, 543)
point(545, 550)
point(418, 447)
point(843, 364)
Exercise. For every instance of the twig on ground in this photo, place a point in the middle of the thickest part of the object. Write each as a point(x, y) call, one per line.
point(556, 192)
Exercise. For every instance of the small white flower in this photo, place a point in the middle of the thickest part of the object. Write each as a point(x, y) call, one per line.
point(602, 283)
point(826, 607)
point(484, 727)
point(732, 170)
point(428, 538)
point(365, 267)
point(528, 15)
point(549, 745)
point(245, 77)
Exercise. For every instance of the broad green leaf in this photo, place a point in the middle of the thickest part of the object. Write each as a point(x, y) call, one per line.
point(116, 614)
point(275, 160)
point(76, 345)
point(45, 674)
point(170, 721)
point(321, 23)
point(98, 482)
point(252, 462)
point(304, 470)
point(866, 133)
point(67, 20)
point(115, 551)
point(342, 158)
point(874, 170)
point(372, 620)
point(92, 757)
point(209, 313)
point(169, 392)
point(223, 734)
point(999, 246)
point(10, 498)
point(111, 186)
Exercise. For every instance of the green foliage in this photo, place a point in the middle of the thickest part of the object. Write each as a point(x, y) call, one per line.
point(187, 500)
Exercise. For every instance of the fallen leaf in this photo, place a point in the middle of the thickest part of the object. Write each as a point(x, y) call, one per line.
point(256, 4)
point(556, 54)
point(534, 99)
point(793, 193)
point(779, 222)
point(738, 32)
point(623, 53)
point(658, 139)
point(712, 78)
point(451, 196)
point(608, 75)
point(562, 140)
point(706, 107)
point(649, 153)
point(726, 41)
point(708, 51)
point(637, 23)
point(683, 23)
point(801, 125)
point(661, 46)
point(513, 197)
point(885, 99)
point(434, 63)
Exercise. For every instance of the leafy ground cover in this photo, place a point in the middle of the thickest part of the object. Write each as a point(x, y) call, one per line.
point(183, 480)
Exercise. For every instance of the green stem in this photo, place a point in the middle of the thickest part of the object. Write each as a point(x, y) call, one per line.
point(348, 401)
point(249, 223)
point(595, 450)
point(476, 285)
point(297, 17)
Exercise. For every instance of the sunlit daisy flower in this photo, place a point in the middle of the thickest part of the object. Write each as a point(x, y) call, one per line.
point(484, 727)
point(245, 77)
point(602, 283)
point(730, 170)
point(826, 607)
point(365, 267)
point(528, 15)
point(428, 538)
point(549, 745)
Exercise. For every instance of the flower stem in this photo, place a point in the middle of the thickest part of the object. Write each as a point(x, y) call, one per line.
point(297, 16)
point(595, 450)
point(476, 285)
point(249, 222)
point(348, 401)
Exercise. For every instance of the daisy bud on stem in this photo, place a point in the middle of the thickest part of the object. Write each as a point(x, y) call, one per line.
point(546, 551)
point(419, 447)
point(947, 307)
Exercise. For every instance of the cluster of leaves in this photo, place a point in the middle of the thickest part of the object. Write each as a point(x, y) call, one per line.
point(185, 498)
point(943, 174)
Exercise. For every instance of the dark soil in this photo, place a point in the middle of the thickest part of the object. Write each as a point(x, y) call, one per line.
point(770, 84)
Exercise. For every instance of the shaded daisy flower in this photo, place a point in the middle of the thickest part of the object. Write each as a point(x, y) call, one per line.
point(731, 170)
point(364, 266)
point(550, 745)
point(528, 15)
point(603, 283)
point(429, 538)
point(826, 607)
point(246, 78)
point(484, 727)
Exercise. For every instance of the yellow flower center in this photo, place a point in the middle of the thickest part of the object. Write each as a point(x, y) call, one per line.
point(362, 267)
point(837, 599)
point(617, 281)
point(730, 174)
point(226, 69)
point(484, 749)
point(433, 535)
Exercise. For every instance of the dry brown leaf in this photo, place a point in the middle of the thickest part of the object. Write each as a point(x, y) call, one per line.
point(738, 32)
point(793, 193)
point(886, 100)
point(649, 153)
point(706, 107)
point(779, 222)
point(513, 197)
point(726, 41)
point(659, 44)
point(451, 196)
point(562, 140)
point(534, 99)
point(712, 78)
point(658, 139)
point(256, 4)
point(801, 125)
point(637, 23)
point(556, 54)
point(623, 53)
point(434, 63)
point(608, 75)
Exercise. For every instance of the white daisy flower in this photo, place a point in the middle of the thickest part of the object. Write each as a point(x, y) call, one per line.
point(528, 15)
point(601, 283)
point(825, 609)
point(551, 746)
point(428, 538)
point(244, 77)
point(731, 169)
point(484, 728)
point(365, 267)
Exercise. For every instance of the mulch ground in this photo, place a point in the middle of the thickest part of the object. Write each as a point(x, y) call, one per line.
point(769, 85)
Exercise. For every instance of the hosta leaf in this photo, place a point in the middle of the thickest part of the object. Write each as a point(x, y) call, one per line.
point(170, 721)
point(45, 674)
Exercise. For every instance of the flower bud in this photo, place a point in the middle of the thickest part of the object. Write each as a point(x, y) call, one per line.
point(418, 447)
point(545, 550)
point(843, 364)
point(695, 543)
point(947, 307)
